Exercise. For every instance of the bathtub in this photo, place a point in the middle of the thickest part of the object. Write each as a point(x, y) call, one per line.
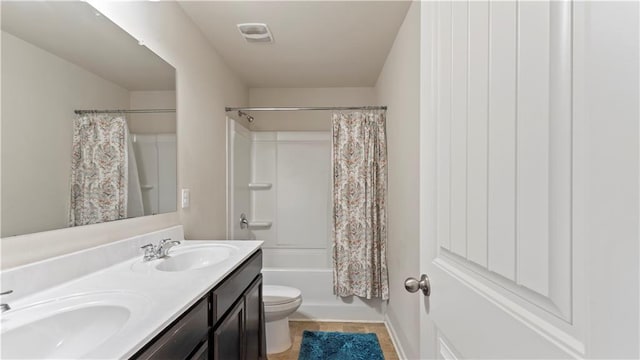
point(318, 300)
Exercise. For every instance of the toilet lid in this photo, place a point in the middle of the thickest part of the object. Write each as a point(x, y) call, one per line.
point(276, 295)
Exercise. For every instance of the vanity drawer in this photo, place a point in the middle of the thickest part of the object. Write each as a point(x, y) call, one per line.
point(232, 288)
point(181, 338)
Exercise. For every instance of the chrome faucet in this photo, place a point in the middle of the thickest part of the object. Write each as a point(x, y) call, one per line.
point(153, 252)
point(5, 307)
point(165, 245)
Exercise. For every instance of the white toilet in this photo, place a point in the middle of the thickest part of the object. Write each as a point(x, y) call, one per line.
point(279, 303)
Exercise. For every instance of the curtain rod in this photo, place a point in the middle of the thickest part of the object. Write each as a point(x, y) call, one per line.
point(140, 111)
point(305, 108)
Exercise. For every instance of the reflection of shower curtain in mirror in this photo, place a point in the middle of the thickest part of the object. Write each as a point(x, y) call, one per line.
point(99, 169)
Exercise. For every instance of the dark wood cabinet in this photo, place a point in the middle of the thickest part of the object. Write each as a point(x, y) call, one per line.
point(226, 324)
point(241, 292)
point(228, 337)
point(201, 353)
point(253, 320)
point(180, 339)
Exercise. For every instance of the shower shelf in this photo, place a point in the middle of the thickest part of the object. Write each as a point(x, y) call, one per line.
point(259, 224)
point(259, 186)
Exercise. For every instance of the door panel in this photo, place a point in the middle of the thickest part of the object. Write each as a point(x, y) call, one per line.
point(253, 321)
point(458, 130)
point(529, 139)
point(501, 164)
point(503, 174)
point(504, 181)
point(477, 134)
point(228, 337)
point(443, 95)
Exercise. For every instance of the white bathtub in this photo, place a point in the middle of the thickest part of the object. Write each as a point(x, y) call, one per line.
point(318, 301)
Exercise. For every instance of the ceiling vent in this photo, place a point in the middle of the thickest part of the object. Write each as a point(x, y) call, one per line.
point(255, 32)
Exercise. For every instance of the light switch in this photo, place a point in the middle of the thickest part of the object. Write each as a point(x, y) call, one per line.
point(186, 198)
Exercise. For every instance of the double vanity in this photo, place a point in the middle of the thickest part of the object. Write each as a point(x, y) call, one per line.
point(203, 300)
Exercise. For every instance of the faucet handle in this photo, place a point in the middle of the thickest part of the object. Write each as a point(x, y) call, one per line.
point(169, 240)
point(5, 307)
point(147, 247)
point(149, 252)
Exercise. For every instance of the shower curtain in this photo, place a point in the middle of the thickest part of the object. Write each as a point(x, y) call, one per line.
point(99, 169)
point(359, 205)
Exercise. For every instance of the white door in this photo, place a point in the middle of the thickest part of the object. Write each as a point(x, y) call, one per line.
point(529, 179)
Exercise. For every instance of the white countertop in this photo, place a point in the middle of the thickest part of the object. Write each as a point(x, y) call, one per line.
point(165, 295)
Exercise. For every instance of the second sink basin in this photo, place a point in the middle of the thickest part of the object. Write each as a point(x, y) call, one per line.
point(195, 257)
point(188, 257)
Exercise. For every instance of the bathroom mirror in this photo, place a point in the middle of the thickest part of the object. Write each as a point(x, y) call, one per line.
point(58, 57)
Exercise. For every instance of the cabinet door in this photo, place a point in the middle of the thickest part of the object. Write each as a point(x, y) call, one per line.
point(228, 337)
point(182, 338)
point(253, 323)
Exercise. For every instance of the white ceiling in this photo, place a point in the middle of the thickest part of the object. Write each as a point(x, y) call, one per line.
point(317, 43)
point(72, 31)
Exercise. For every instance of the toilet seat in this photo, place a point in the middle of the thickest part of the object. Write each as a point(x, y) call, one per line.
point(279, 295)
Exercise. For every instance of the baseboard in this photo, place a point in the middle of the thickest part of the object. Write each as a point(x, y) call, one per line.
point(394, 338)
point(341, 320)
point(337, 312)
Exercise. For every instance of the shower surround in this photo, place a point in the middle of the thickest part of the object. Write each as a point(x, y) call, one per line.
point(284, 178)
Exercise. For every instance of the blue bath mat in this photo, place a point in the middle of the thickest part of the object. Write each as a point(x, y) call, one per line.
point(321, 345)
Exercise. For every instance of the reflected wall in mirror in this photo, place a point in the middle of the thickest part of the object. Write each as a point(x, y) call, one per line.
point(58, 57)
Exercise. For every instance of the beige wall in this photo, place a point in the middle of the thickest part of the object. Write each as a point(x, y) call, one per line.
point(41, 91)
point(204, 86)
point(153, 123)
point(303, 120)
point(398, 87)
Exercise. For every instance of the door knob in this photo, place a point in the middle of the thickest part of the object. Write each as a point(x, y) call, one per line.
point(413, 285)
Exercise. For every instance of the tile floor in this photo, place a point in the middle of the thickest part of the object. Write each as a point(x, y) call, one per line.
point(297, 327)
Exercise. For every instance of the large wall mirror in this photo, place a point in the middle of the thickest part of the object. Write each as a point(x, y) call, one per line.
point(61, 168)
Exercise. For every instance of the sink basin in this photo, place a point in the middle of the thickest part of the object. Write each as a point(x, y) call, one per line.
point(195, 257)
point(188, 257)
point(70, 327)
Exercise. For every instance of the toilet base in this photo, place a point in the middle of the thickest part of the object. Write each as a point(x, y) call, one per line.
point(278, 336)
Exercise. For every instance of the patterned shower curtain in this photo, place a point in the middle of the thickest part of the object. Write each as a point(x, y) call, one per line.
point(360, 205)
point(98, 169)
